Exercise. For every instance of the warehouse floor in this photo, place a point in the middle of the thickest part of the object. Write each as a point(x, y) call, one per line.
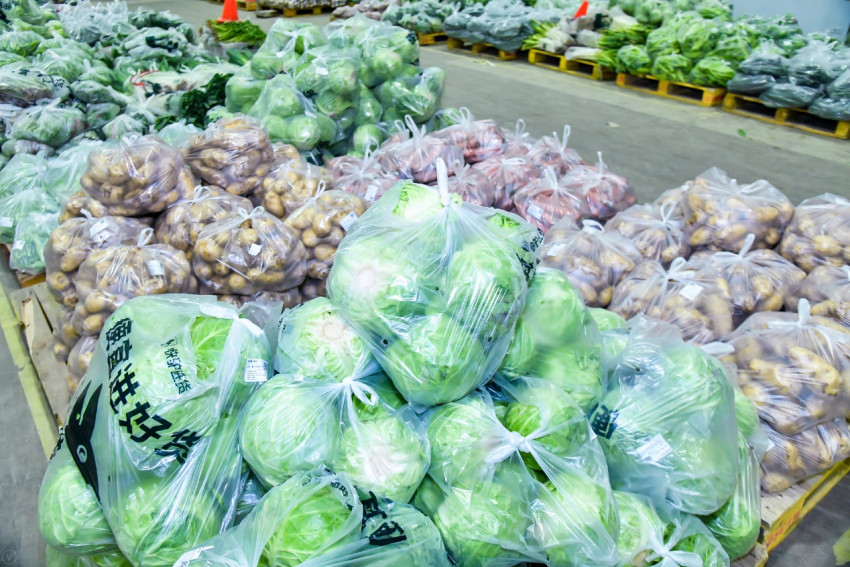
point(656, 143)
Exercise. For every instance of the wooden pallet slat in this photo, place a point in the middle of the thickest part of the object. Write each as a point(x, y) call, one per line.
point(431, 38)
point(247, 5)
point(694, 94)
point(577, 67)
point(798, 118)
point(483, 49)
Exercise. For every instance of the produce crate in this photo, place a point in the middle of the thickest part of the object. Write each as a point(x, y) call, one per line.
point(702, 96)
point(431, 38)
point(792, 117)
point(484, 49)
point(577, 67)
point(24, 279)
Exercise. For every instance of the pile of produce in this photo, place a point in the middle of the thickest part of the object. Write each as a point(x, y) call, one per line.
point(422, 16)
point(575, 38)
point(504, 24)
point(300, 4)
point(373, 9)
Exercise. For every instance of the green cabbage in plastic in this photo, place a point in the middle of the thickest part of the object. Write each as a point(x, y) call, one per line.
point(606, 320)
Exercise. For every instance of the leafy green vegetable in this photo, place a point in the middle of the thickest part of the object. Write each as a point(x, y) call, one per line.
point(237, 32)
point(712, 71)
point(633, 59)
point(697, 38)
point(606, 320)
point(673, 67)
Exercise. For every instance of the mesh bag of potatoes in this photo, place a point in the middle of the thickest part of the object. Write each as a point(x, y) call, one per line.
point(719, 213)
point(70, 244)
point(819, 233)
point(654, 230)
point(245, 253)
point(545, 201)
point(321, 224)
point(79, 359)
point(791, 459)
point(137, 176)
point(795, 367)
point(65, 336)
point(592, 258)
point(697, 303)
point(828, 291)
point(233, 153)
point(759, 280)
point(289, 186)
point(180, 224)
point(110, 276)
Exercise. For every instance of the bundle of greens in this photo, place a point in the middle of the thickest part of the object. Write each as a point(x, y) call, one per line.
point(237, 32)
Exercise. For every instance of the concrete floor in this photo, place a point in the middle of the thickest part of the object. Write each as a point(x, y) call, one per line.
point(656, 143)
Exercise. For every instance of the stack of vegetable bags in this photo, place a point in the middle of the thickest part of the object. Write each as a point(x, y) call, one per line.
point(372, 9)
point(423, 16)
point(575, 38)
point(504, 24)
point(300, 4)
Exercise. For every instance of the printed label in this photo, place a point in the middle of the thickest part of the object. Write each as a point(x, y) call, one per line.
point(6, 222)
point(18, 245)
point(347, 221)
point(654, 450)
point(691, 291)
point(256, 370)
point(555, 249)
point(535, 211)
point(155, 268)
point(98, 227)
point(371, 192)
point(255, 249)
point(322, 71)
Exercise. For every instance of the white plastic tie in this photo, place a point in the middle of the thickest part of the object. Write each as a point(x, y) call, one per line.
point(361, 391)
point(86, 213)
point(846, 270)
point(144, 237)
point(443, 181)
point(804, 309)
point(590, 225)
point(748, 243)
point(717, 349)
point(565, 137)
point(679, 270)
point(666, 212)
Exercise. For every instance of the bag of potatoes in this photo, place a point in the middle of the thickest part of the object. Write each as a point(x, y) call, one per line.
point(603, 193)
point(233, 153)
point(313, 288)
point(552, 151)
point(72, 241)
point(180, 224)
point(79, 360)
point(697, 303)
point(361, 176)
point(65, 336)
point(819, 233)
point(508, 174)
point(245, 253)
point(719, 213)
point(79, 202)
point(289, 186)
point(137, 176)
point(592, 258)
point(795, 367)
point(791, 459)
point(654, 230)
point(828, 291)
point(545, 201)
point(110, 276)
point(289, 298)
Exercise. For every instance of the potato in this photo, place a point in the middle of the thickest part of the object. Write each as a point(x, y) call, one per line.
point(79, 360)
point(828, 291)
point(289, 298)
point(77, 203)
point(819, 233)
point(289, 186)
point(64, 334)
point(655, 231)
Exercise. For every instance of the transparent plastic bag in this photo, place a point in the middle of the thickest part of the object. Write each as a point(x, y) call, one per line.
point(603, 192)
point(552, 151)
point(810, 66)
point(177, 134)
point(79, 360)
point(244, 253)
point(696, 302)
point(472, 185)
point(286, 299)
point(137, 176)
point(828, 291)
point(546, 200)
point(791, 459)
point(110, 276)
point(416, 157)
point(758, 280)
point(667, 423)
point(831, 109)
point(534, 489)
point(419, 248)
point(479, 139)
point(752, 85)
point(154, 424)
point(181, 223)
point(234, 154)
point(767, 59)
point(31, 234)
point(655, 231)
point(15, 207)
point(70, 244)
point(789, 95)
point(719, 213)
point(819, 233)
point(518, 141)
point(77, 203)
point(289, 186)
point(792, 365)
point(592, 258)
point(65, 336)
point(508, 175)
point(49, 124)
point(321, 223)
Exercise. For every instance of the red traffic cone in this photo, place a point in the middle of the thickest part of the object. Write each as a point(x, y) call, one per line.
point(229, 13)
point(582, 10)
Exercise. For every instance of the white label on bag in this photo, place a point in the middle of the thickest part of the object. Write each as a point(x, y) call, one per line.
point(190, 556)
point(6, 222)
point(256, 370)
point(347, 221)
point(691, 291)
point(555, 249)
point(535, 211)
point(255, 249)
point(155, 268)
point(322, 71)
point(98, 227)
point(371, 192)
point(18, 245)
point(654, 450)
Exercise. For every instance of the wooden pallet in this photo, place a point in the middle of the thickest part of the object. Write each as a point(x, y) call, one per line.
point(577, 67)
point(24, 279)
point(702, 96)
point(484, 49)
point(313, 11)
point(431, 38)
point(798, 118)
point(247, 6)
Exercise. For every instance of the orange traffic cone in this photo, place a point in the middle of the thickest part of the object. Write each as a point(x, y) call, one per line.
point(582, 10)
point(229, 13)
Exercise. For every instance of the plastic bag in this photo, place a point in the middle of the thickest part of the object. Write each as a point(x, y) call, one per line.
point(472, 185)
point(321, 223)
point(828, 291)
point(518, 141)
point(479, 139)
point(593, 259)
point(15, 207)
point(153, 426)
point(603, 192)
point(819, 233)
point(70, 244)
point(654, 230)
point(758, 280)
point(789, 95)
point(634, 60)
point(552, 151)
point(752, 85)
point(791, 459)
point(416, 158)
point(27, 253)
point(767, 59)
point(79, 360)
point(234, 154)
point(672, 67)
point(840, 87)
point(546, 200)
point(138, 176)
point(178, 134)
point(49, 124)
point(720, 213)
point(667, 423)
point(110, 276)
point(831, 109)
point(533, 489)
point(285, 299)
point(180, 224)
point(289, 186)
point(792, 366)
point(811, 65)
point(65, 336)
point(78, 202)
point(508, 174)
point(712, 72)
point(244, 253)
point(32, 171)
point(418, 248)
